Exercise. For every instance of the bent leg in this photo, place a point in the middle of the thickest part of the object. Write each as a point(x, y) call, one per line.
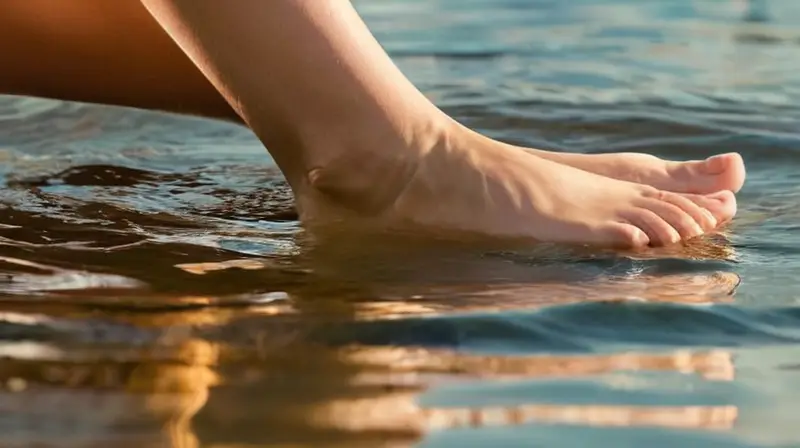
point(360, 145)
point(106, 52)
point(99, 51)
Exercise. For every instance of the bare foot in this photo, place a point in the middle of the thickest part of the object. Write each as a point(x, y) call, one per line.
point(470, 183)
point(375, 151)
point(721, 172)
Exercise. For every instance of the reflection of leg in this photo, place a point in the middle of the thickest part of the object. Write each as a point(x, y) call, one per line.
point(414, 298)
point(704, 288)
point(176, 391)
point(169, 386)
point(688, 417)
point(399, 412)
point(423, 280)
point(430, 299)
point(712, 365)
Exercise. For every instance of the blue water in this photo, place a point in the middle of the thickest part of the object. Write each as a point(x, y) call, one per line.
point(156, 289)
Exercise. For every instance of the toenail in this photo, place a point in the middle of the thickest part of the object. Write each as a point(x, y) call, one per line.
point(714, 163)
point(674, 238)
point(711, 218)
point(640, 239)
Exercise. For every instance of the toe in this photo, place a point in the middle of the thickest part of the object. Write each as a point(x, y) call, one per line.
point(674, 215)
point(654, 226)
point(721, 204)
point(699, 215)
point(717, 173)
point(729, 171)
point(720, 163)
point(623, 235)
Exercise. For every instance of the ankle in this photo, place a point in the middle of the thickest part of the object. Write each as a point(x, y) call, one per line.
point(364, 175)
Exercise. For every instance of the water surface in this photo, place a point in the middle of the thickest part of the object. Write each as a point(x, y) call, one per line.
point(157, 290)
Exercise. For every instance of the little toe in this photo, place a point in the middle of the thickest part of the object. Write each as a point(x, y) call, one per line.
point(623, 235)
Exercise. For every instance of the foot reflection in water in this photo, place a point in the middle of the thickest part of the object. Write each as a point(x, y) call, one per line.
point(310, 365)
point(414, 283)
point(349, 397)
point(119, 399)
point(400, 412)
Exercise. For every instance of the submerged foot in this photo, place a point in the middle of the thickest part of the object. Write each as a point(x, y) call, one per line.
point(717, 173)
point(470, 183)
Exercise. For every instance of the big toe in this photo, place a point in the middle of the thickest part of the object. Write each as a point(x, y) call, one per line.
point(714, 174)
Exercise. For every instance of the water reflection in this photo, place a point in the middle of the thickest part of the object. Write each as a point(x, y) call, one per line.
point(189, 370)
point(402, 281)
point(191, 392)
point(126, 398)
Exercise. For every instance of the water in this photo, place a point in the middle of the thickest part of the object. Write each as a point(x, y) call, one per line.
point(157, 291)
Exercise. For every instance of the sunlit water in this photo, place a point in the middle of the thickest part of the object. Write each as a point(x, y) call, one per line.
point(156, 289)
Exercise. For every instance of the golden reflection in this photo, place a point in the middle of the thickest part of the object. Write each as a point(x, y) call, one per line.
point(686, 417)
point(690, 289)
point(317, 302)
point(167, 385)
point(714, 365)
point(202, 311)
point(347, 283)
point(388, 301)
point(268, 384)
point(175, 392)
point(327, 397)
point(204, 268)
point(397, 302)
point(399, 412)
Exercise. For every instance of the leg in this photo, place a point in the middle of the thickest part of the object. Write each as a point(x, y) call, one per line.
point(93, 51)
point(360, 145)
point(98, 51)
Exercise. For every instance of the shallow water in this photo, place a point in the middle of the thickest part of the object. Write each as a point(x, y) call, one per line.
point(157, 291)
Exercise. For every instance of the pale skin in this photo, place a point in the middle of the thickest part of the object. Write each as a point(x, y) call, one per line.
point(361, 147)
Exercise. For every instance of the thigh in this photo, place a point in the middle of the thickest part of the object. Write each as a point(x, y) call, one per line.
point(101, 51)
